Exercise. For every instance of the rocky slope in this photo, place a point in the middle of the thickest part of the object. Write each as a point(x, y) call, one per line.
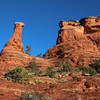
point(83, 88)
point(78, 44)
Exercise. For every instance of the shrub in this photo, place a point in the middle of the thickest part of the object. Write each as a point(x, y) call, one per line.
point(28, 49)
point(18, 74)
point(50, 56)
point(50, 72)
point(32, 67)
point(58, 64)
point(63, 68)
point(75, 77)
point(88, 70)
point(96, 65)
point(76, 70)
point(61, 50)
point(33, 96)
point(39, 82)
point(67, 68)
point(39, 55)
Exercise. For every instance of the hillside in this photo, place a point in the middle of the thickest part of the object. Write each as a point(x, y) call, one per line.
point(70, 70)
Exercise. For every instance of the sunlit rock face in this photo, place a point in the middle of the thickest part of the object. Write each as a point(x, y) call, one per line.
point(13, 53)
point(15, 42)
point(80, 41)
point(70, 30)
point(92, 29)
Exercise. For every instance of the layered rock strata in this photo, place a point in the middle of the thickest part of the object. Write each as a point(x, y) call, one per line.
point(78, 42)
point(13, 52)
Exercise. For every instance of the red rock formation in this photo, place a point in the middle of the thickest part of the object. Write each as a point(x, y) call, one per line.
point(15, 41)
point(92, 29)
point(70, 30)
point(78, 41)
point(13, 52)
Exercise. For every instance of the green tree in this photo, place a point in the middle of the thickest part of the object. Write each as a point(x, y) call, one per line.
point(28, 49)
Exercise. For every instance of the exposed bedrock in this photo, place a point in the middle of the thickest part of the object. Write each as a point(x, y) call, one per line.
point(13, 52)
point(76, 43)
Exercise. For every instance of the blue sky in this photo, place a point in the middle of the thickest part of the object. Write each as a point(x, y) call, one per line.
point(41, 18)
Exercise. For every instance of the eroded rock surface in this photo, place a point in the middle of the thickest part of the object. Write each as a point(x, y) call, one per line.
point(92, 29)
point(13, 52)
point(78, 41)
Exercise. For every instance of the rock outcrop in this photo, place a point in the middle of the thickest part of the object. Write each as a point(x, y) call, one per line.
point(92, 29)
point(78, 42)
point(15, 41)
point(13, 52)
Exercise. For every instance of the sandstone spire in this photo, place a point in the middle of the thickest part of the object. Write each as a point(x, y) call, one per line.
point(13, 52)
point(15, 42)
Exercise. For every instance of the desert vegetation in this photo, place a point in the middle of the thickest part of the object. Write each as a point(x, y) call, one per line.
point(19, 74)
point(96, 65)
point(23, 74)
point(33, 96)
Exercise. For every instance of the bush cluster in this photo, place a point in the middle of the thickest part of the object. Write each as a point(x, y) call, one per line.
point(88, 70)
point(66, 68)
point(50, 72)
point(96, 65)
point(33, 96)
point(19, 74)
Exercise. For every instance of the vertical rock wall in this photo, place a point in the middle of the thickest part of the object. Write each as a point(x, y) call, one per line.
point(78, 41)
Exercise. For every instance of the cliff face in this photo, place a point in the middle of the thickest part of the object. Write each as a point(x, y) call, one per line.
point(92, 29)
point(78, 42)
